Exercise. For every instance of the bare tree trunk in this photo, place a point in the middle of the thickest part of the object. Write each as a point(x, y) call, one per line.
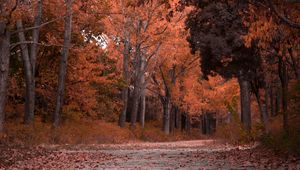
point(33, 55)
point(136, 90)
point(166, 118)
point(135, 105)
point(178, 118)
point(267, 94)
point(283, 74)
point(272, 103)
point(29, 95)
point(4, 69)
point(122, 118)
point(137, 78)
point(142, 92)
point(294, 65)
point(126, 53)
point(263, 111)
point(278, 99)
point(63, 64)
point(245, 103)
point(143, 108)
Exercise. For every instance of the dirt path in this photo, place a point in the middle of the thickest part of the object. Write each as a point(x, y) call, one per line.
point(203, 154)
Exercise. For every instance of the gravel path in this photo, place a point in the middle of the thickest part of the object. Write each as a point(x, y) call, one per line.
point(202, 154)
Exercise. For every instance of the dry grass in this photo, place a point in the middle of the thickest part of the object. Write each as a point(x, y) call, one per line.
point(279, 140)
point(87, 132)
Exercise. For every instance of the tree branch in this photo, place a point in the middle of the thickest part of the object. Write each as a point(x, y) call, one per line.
point(282, 17)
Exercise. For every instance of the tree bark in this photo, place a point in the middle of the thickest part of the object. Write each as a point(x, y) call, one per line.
point(4, 69)
point(272, 103)
point(135, 105)
point(278, 99)
point(178, 118)
point(245, 103)
point(283, 74)
point(263, 112)
point(29, 91)
point(63, 63)
point(137, 87)
point(166, 118)
point(122, 118)
point(142, 91)
point(172, 118)
point(137, 77)
point(294, 65)
point(33, 56)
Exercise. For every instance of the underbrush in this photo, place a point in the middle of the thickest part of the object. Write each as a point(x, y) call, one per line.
point(234, 132)
point(279, 140)
point(87, 132)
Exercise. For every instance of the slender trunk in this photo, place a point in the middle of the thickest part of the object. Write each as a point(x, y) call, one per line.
point(143, 95)
point(172, 118)
point(137, 77)
point(122, 118)
point(135, 104)
point(187, 123)
point(294, 65)
point(272, 103)
point(33, 56)
point(245, 103)
point(4, 69)
point(178, 118)
point(166, 118)
point(63, 64)
point(283, 75)
point(267, 93)
point(263, 112)
point(143, 108)
point(35, 36)
point(137, 90)
point(278, 100)
point(29, 92)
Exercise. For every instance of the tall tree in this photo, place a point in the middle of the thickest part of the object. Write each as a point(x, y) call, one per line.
point(29, 92)
point(63, 63)
point(215, 31)
point(4, 68)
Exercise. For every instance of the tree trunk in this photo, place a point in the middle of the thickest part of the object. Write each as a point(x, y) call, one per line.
point(63, 63)
point(267, 93)
point(122, 118)
point(187, 123)
point(278, 100)
point(143, 108)
point(135, 106)
point(294, 65)
point(142, 91)
point(245, 103)
point(137, 89)
point(166, 118)
point(4, 69)
point(272, 103)
point(263, 112)
point(283, 74)
point(137, 78)
point(178, 118)
point(33, 56)
point(29, 92)
point(172, 118)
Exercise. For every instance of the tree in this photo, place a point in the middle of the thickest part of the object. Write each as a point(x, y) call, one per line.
point(4, 65)
point(215, 31)
point(63, 63)
point(275, 44)
point(141, 38)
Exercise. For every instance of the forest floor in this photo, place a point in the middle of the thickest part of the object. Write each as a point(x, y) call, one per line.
point(200, 154)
